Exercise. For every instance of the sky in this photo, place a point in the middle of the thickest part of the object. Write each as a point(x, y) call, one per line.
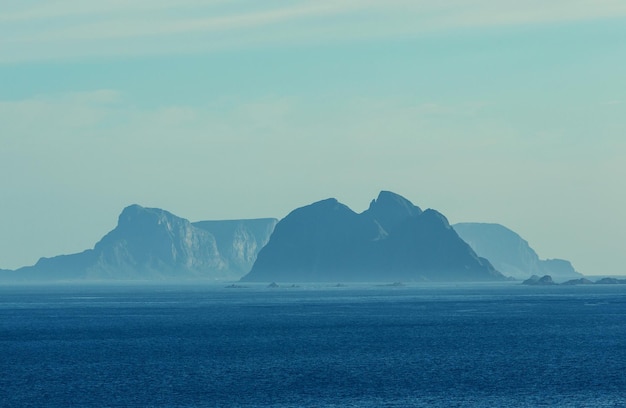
point(511, 112)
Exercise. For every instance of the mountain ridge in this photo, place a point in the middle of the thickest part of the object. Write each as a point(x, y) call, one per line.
point(510, 253)
point(392, 240)
point(154, 244)
point(391, 234)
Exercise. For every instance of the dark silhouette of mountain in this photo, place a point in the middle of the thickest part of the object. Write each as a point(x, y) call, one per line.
point(393, 240)
point(153, 244)
point(390, 210)
point(510, 254)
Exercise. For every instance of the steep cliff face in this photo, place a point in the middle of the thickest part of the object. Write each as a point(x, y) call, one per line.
point(559, 268)
point(239, 241)
point(510, 253)
point(154, 244)
point(150, 242)
point(390, 210)
point(392, 240)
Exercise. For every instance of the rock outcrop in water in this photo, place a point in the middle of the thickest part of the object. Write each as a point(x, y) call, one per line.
point(510, 254)
point(545, 280)
point(153, 244)
point(393, 240)
point(611, 281)
point(581, 281)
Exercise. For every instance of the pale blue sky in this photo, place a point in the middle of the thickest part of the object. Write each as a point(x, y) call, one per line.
point(510, 111)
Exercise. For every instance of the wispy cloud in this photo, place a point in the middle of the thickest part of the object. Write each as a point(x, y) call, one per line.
point(120, 23)
point(40, 30)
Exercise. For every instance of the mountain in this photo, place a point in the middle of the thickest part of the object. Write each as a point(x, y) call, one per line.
point(393, 240)
point(239, 241)
point(510, 254)
point(154, 244)
point(559, 268)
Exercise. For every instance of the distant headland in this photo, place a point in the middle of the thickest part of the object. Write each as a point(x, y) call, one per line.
point(392, 241)
point(546, 280)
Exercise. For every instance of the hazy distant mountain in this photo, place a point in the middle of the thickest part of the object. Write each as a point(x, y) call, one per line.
point(150, 243)
point(510, 253)
point(391, 241)
point(559, 268)
point(239, 241)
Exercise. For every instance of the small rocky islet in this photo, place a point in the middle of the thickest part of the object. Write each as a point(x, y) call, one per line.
point(547, 280)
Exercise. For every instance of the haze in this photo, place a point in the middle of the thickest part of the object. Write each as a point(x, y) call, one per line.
point(508, 112)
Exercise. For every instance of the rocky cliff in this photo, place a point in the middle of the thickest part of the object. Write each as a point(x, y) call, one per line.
point(393, 240)
point(510, 253)
point(154, 244)
point(239, 241)
point(535, 280)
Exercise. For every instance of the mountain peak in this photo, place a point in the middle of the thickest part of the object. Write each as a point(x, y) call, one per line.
point(391, 209)
point(151, 243)
point(390, 200)
point(132, 210)
point(135, 215)
point(324, 208)
point(437, 217)
point(392, 240)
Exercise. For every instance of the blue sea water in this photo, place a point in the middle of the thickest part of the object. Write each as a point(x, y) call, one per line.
point(490, 345)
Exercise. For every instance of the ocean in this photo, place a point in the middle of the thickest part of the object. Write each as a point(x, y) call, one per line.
point(419, 345)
